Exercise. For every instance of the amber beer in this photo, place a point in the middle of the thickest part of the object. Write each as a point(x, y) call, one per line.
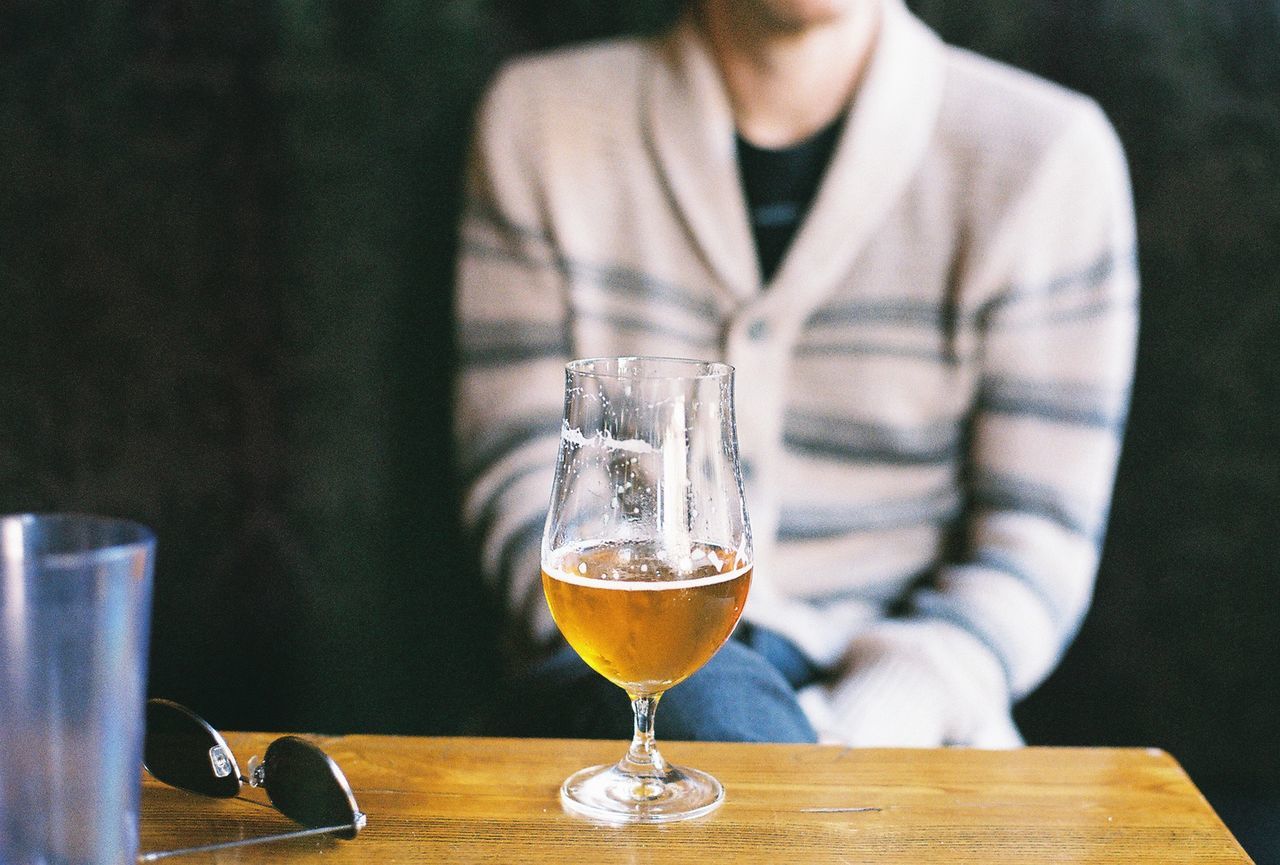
point(642, 620)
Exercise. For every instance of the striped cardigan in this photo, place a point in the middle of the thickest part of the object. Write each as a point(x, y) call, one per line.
point(930, 391)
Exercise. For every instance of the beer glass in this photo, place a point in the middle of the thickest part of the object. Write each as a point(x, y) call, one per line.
point(646, 557)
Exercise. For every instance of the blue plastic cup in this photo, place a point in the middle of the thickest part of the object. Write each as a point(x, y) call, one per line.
point(75, 614)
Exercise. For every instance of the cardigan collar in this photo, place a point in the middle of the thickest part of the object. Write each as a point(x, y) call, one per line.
point(691, 130)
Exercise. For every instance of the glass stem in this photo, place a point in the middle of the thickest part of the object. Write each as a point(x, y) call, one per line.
point(643, 757)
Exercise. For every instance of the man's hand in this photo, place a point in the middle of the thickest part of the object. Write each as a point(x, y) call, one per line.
point(905, 685)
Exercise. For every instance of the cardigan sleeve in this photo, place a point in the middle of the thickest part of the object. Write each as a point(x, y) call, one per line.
point(512, 338)
point(1057, 325)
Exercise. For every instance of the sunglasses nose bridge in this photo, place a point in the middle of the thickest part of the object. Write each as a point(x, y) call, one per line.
point(257, 771)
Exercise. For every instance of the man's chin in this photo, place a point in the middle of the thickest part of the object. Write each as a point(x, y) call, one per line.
point(799, 15)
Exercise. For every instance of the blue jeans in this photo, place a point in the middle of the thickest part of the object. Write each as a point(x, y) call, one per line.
point(745, 693)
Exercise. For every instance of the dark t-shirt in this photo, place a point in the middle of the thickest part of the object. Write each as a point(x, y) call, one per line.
point(779, 186)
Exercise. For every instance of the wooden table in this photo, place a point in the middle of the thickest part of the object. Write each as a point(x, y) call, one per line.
point(458, 800)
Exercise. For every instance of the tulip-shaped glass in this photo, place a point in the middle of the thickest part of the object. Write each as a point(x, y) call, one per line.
point(646, 556)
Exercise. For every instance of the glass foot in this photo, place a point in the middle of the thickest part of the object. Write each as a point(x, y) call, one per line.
point(612, 795)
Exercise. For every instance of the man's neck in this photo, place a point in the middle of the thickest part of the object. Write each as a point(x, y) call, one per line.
point(787, 82)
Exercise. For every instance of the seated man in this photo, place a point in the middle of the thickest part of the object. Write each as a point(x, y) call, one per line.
point(921, 264)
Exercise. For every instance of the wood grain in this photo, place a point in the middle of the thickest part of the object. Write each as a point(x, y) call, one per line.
point(458, 800)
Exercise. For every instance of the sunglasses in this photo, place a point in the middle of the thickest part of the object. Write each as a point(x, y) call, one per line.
point(301, 781)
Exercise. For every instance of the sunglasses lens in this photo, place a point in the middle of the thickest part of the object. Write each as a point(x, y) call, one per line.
point(183, 751)
point(307, 786)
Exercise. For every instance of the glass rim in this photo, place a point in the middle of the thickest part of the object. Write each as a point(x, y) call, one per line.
point(607, 367)
point(134, 535)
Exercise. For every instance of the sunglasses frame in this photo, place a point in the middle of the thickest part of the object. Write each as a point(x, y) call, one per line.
point(222, 763)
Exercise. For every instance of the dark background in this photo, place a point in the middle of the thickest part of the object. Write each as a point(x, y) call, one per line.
point(226, 245)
